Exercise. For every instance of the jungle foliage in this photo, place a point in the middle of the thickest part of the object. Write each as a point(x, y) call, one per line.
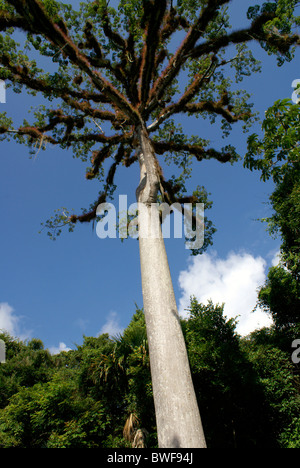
point(99, 395)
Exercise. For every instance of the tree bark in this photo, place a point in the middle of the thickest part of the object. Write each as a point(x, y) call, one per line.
point(177, 414)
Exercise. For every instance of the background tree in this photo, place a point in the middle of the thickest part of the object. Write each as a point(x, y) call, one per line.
point(121, 378)
point(100, 394)
point(116, 91)
point(26, 366)
point(232, 403)
point(85, 398)
point(277, 157)
point(279, 387)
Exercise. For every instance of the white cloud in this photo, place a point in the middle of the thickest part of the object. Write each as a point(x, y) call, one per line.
point(56, 350)
point(233, 281)
point(8, 319)
point(82, 324)
point(276, 259)
point(112, 325)
point(11, 323)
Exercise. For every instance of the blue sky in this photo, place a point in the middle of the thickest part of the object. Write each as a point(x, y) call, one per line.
point(81, 285)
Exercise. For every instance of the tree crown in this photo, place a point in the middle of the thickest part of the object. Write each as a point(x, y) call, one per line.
point(115, 69)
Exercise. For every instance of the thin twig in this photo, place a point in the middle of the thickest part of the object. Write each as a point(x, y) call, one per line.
point(97, 125)
point(40, 145)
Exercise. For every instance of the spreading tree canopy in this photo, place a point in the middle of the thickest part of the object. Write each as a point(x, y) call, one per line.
point(113, 69)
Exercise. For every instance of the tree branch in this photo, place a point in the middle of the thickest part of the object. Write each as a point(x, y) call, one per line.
point(116, 119)
point(172, 22)
point(35, 14)
point(156, 11)
point(97, 159)
point(192, 90)
point(216, 108)
point(117, 70)
point(8, 20)
point(255, 32)
point(36, 133)
point(182, 54)
point(116, 38)
point(198, 151)
point(92, 214)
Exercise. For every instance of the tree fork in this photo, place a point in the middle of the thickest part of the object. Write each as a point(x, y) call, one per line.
point(177, 414)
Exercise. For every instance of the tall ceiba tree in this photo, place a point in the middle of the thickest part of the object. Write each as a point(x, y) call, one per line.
point(118, 92)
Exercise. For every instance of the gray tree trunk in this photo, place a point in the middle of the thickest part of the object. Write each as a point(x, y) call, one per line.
point(177, 414)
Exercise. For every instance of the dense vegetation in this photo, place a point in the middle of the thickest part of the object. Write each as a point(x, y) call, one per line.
point(248, 388)
point(100, 395)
